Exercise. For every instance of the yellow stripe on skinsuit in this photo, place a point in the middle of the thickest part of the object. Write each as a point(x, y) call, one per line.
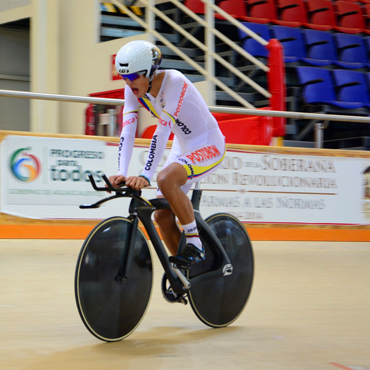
point(133, 111)
point(146, 103)
point(201, 170)
point(173, 119)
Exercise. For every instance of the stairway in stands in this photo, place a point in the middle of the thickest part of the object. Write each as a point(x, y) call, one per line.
point(115, 24)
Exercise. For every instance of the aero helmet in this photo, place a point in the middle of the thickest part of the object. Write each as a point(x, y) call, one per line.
point(138, 56)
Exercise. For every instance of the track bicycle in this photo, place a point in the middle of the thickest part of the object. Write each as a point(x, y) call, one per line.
point(114, 271)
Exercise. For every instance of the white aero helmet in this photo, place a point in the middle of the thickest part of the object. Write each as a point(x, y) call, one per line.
point(138, 56)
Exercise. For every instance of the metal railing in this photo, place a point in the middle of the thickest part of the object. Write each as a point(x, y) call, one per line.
point(319, 126)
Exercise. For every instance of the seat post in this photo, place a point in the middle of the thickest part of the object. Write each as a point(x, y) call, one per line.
point(196, 196)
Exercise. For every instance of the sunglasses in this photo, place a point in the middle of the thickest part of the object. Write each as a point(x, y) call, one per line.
point(133, 76)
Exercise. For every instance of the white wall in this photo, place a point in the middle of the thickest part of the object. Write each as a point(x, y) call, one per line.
point(12, 4)
point(14, 75)
point(66, 58)
point(84, 61)
point(45, 46)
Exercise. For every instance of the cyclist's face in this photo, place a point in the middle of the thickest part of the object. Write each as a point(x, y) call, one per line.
point(139, 86)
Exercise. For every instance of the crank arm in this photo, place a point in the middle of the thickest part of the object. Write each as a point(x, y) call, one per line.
point(183, 279)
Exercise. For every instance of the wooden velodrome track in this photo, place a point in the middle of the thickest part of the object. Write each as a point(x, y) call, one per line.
point(309, 309)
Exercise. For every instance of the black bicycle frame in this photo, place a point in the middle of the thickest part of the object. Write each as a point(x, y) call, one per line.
point(142, 209)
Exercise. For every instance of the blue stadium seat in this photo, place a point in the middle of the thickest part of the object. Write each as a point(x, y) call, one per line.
point(320, 48)
point(292, 41)
point(318, 87)
point(367, 43)
point(250, 45)
point(367, 75)
point(351, 51)
point(295, 46)
point(351, 86)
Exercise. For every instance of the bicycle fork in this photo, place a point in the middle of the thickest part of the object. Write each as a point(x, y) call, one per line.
point(121, 276)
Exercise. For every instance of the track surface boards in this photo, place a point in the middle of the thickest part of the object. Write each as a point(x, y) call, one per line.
point(309, 309)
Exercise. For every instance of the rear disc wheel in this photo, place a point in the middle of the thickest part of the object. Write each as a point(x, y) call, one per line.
point(219, 301)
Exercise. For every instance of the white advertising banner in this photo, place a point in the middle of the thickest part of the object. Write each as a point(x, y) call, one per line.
point(48, 178)
point(289, 188)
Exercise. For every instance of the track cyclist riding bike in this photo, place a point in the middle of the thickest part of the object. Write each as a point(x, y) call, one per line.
point(198, 147)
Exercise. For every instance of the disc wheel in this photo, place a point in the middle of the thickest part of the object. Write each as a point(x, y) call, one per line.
point(219, 301)
point(112, 306)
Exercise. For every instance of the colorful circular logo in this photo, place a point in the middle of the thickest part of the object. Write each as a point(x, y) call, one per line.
point(25, 167)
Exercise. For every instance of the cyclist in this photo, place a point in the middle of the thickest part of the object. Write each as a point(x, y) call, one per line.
point(198, 147)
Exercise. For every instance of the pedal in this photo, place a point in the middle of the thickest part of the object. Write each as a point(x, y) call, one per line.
point(180, 262)
point(188, 256)
point(169, 295)
point(183, 300)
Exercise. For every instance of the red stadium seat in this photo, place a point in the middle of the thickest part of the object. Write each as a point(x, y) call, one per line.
point(366, 11)
point(261, 11)
point(321, 15)
point(236, 8)
point(196, 6)
point(349, 17)
point(358, 1)
point(291, 13)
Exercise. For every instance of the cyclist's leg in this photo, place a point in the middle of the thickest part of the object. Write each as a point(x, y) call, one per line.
point(165, 218)
point(168, 227)
point(178, 177)
point(203, 161)
point(198, 163)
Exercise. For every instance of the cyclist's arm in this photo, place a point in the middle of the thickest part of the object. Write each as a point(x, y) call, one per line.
point(175, 92)
point(157, 146)
point(129, 126)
